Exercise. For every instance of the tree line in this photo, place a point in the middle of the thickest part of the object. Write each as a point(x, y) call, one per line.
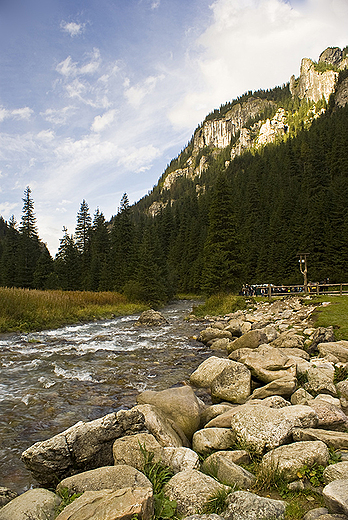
point(242, 221)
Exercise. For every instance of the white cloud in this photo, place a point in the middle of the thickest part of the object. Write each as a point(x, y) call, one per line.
point(67, 67)
point(254, 44)
point(136, 94)
point(73, 28)
point(104, 121)
point(58, 116)
point(139, 159)
point(17, 113)
point(155, 4)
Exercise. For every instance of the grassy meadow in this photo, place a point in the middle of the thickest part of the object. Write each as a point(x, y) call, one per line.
point(27, 310)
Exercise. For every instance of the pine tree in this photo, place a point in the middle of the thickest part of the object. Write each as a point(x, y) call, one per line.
point(29, 245)
point(122, 254)
point(67, 263)
point(82, 241)
point(222, 268)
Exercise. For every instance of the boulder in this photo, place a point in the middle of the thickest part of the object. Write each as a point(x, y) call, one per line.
point(285, 386)
point(234, 327)
point(214, 411)
point(336, 496)
point(211, 333)
point(129, 450)
point(191, 489)
point(151, 318)
point(179, 404)
point(342, 389)
point(166, 432)
point(339, 349)
point(6, 495)
point(207, 371)
point(320, 380)
point(212, 439)
point(251, 339)
point(337, 471)
point(211, 516)
point(330, 417)
point(108, 504)
point(82, 447)
point(271, 333)
point(261, 428)
point(296, 352)
point(180, 459)
point(301, 396)
point(267, 363)
point(333, 439)
point(288, 339)
point(232, 384)
point(219, 344)
point(289, 459)
point(221, 467)
point(242, 505)
point(313, 514)
point(108, 477)
point(35, 504)
point(321, 335)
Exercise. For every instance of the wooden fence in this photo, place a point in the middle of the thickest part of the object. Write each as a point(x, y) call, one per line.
point(312, 288)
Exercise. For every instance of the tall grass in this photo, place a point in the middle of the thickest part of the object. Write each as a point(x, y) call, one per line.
point(220, 304)
point(27, 310)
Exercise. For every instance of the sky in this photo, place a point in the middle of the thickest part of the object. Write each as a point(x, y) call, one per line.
point(97, 96)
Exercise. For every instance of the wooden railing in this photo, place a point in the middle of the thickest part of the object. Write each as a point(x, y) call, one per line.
point(312, 288)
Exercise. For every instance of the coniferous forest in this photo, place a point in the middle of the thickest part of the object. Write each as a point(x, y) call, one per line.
point(242, 221)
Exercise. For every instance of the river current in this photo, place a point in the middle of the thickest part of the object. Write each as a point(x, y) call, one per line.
point(52, 379)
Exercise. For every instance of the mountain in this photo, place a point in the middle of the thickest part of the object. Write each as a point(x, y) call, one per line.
point(263, 178)
point(279, 157)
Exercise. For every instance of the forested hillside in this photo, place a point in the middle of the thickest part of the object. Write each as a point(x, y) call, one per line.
point(220, 216)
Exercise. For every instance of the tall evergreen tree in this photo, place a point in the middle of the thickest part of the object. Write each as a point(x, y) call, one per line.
point(222, 268)
point(82, 241)
point(29, 245)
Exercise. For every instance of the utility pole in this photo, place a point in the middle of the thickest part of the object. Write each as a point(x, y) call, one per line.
point(303, 269)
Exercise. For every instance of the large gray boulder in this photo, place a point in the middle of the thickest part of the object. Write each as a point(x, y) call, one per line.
point(333, 439)
point(108, 477)
point(289, 459)
point(212, 333)
point(251, 339)
point(179, 404)
point(35, 504)
point(261, 428)
point(180, 459)
point(211, 439)
point(233, 384)
point(337, 471)
point(336, 496)
point(284, 386)
point(131, 450)
point(339, 349)
point(191, 489)
point(108, 504)
point(207, 371)
point(242, 505)
point(220, 466)
point(214, 411)
point(288, 339)
point(267, 363)
point(165, 430)
point(151, 318)
point(84, 446)
point(320, 381)
point(330, 417)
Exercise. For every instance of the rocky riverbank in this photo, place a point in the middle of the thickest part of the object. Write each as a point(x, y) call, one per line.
point(269, 405)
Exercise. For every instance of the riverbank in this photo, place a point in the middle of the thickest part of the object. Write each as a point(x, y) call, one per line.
point(25, 310)
point(272, 424)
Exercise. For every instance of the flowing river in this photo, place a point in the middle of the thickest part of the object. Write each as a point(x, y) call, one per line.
point(52, 379)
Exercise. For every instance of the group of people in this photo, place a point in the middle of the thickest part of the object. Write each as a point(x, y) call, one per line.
point(263, 289)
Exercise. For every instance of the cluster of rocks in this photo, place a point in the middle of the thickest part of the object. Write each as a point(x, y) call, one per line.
point(252, 404)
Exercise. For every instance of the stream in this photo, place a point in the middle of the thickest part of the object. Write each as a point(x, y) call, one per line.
point(52, 379)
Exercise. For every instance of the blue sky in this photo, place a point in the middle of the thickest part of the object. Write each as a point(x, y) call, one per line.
point(97, 96)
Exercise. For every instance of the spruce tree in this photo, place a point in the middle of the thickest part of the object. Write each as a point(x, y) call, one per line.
point(29, 245)
point(82, 242)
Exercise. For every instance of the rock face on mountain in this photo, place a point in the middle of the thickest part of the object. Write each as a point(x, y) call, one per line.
point(244, 125)
point(313, 84)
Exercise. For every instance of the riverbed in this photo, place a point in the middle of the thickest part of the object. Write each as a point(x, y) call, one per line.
point(52, 379)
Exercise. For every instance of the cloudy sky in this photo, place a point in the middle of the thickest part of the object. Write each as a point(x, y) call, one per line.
point(97, 96)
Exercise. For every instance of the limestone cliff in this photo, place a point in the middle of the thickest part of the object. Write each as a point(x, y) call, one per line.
point(244, 126)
